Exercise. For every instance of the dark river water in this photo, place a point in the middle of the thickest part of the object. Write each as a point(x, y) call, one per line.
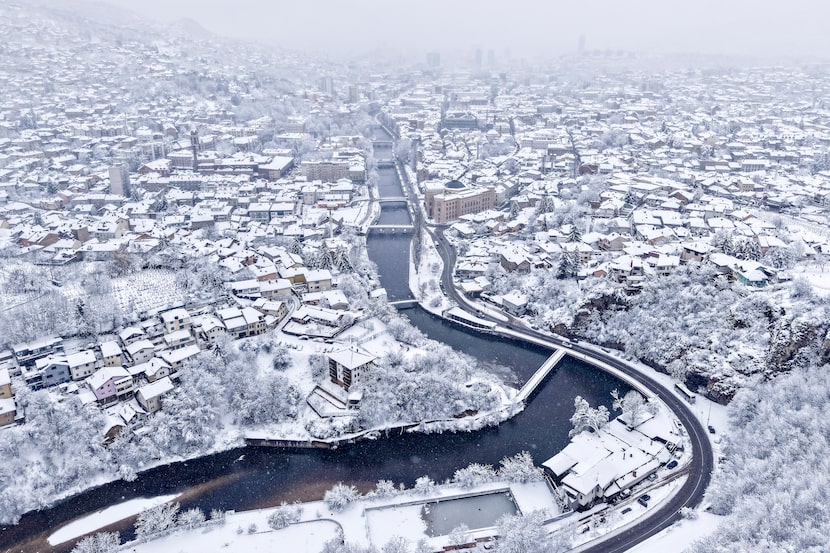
point(247, 478)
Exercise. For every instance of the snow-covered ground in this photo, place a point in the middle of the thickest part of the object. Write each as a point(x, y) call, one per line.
point(105, 517)
point(425, 281)
point(246, 532)
point(818, 275)
point(147, 291)
point(366, 522)
point(680, 535)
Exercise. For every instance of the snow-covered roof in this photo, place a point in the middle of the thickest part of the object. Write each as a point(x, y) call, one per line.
point(156, 389)
point(105, 374)
point(80, 358)
point(7, 406)
point(177, 356)
point(109, 349)
point(135, 347)
point(351, 357)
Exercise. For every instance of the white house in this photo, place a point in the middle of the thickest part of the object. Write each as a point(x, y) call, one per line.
point(153, 370)
point(82, 364)
point(176, 358)
point(175, 319)
point(111, 353)
point(599, 465)
point(150, 395)
point(178, 339)
point(347, 366)
point(140, 351)
point(318, 280)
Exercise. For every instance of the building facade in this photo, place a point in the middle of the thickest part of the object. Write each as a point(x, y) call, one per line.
point(449, 202)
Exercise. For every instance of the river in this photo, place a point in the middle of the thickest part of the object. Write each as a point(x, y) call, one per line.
point(247, 478)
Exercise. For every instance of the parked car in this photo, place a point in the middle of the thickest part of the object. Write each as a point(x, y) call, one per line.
point(671, 464)
point(626, 510)
point(711, 429)
point(642, 501)
point(651, 477)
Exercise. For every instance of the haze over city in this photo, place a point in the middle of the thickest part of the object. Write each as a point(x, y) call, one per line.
point(522, 28)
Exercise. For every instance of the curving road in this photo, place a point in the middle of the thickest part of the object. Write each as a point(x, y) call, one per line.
point(700, 468)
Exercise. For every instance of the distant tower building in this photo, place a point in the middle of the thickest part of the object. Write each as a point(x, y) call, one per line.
point(194, 147)
point(326, 85)
point(354, 94)
point(413, 155)
point(581, 45)
point(119, 179)
point(433, 59)
point(478, 58)
point(491, 58)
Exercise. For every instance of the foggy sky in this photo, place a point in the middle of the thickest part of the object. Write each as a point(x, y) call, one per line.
point(731, 27)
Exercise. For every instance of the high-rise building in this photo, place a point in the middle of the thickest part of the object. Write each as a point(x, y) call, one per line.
point(478, 58)
point(433, 59)
point(491, 58)
point(194, 148)
point(326, 85)
point(119, 179)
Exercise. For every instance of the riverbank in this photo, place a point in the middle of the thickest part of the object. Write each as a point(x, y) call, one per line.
point(372, 520)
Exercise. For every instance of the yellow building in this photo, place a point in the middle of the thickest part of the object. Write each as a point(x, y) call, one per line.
point(450, 201)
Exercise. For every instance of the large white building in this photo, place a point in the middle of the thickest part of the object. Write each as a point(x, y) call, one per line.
point(347, 366)
point(119, 179)
point(597, 466)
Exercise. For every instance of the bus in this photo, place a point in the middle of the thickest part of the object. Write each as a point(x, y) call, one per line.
point(684, 391)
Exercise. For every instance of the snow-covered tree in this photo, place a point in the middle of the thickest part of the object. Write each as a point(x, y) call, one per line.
point(284, 516)
point(460, 535)
point(769, 486)
point(520, 468)
point(385, 488)
point(192, 414)
point(574, 234)
point(586, 417)
point(525, 534)
point(424, 485)
point(547, 204)
point(191, 518)
point(156, 520)
point(474, 474)
point(632, 405)
point(340, 496)
point(102, 542)
point(565, 268)
point(396, 544)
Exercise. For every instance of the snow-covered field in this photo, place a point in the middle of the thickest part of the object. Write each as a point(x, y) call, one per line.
point(817, 275)
point(246, 532)
point(146, 291)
